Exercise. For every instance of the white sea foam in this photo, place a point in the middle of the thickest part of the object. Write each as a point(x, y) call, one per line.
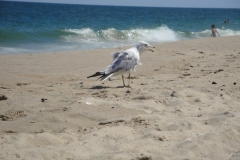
point(112, 37)
point(79, 34)
point(86, 38)
point(12, 50)
point(228, 32)
point(208, 32)
point(159, 34)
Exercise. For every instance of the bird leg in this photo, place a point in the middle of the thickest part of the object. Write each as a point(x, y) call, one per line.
point(128, 86)
point(123, 81)
point(128, 81)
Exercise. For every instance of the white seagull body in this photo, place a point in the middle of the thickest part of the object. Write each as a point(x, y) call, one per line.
point(124, 62)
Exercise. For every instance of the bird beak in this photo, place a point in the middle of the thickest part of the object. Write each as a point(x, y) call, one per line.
point(151, 49)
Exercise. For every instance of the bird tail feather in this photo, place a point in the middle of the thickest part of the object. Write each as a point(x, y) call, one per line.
point(96, 74)
point(102, 75)
point(105, 76)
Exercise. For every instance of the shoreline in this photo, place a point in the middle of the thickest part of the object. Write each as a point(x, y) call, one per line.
point(184, 100)
point(118, 47)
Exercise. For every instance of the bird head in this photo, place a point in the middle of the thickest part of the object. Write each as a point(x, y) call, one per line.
point(144, 46)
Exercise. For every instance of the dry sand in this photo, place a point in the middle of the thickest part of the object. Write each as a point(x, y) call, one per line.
point(184, 104)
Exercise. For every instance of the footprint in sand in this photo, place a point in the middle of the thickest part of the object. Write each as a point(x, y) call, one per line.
point(101, 94)
point(22, 84)
point(219, 70)
point(3, 98)
point(139, 121)
point(144, 158)
point(13, 114)
point(133, 121)
point(142, 97)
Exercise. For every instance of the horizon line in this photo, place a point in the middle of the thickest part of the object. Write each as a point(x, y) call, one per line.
point(118, 5)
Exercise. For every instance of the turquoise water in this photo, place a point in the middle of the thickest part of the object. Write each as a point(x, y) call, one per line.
point(44, 27)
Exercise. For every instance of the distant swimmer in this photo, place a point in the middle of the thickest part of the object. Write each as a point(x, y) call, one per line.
point(214, 31)
point(227, 21)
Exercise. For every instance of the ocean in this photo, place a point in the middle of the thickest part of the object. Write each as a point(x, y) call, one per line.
point(45, 27)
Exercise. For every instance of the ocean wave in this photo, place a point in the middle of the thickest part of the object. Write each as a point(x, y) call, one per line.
point(228, 32)
point(87, 38)
point(111, 35)
point(208, 32)
point(159, 34)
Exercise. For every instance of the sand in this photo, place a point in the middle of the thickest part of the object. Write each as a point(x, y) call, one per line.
point(184, 104)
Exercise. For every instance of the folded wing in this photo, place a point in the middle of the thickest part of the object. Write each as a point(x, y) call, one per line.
point(124, 62)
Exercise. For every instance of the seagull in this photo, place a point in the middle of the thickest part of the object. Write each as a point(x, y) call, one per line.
point(124, 62)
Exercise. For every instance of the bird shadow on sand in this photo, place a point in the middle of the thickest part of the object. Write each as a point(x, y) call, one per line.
point(104, 87)
point(120, 87)
point(99, 87)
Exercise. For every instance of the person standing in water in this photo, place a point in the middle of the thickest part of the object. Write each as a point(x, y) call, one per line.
point(214, 31)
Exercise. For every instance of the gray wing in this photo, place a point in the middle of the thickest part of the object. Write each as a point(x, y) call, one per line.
point(123, 62)
point(115, 54)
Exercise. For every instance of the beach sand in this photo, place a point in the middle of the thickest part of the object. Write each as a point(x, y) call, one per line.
point(184, 104)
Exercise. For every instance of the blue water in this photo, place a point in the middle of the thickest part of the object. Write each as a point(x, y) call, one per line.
point(44, 27)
